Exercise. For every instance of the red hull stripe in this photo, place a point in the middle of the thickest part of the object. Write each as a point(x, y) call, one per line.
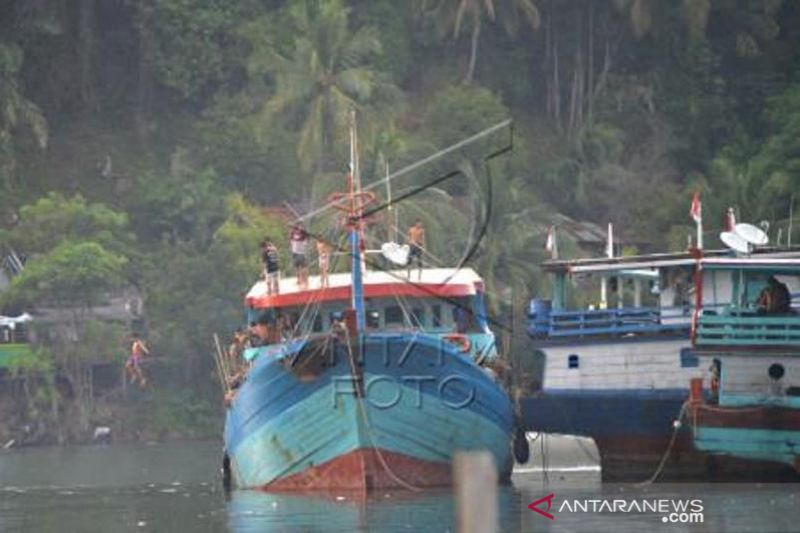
point(778, 418)
point(364, 470)
point(376, 290)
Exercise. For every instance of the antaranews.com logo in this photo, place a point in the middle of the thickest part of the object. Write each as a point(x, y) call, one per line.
point(672, 511)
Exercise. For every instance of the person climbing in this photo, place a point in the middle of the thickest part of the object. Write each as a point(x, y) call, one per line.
point(298, 238)
point(416, 242)
point(324, 252)
point(269, 256)
point(133, 365)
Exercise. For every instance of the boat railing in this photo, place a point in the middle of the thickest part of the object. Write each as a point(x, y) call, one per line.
point(609, 322)
point(744, 326)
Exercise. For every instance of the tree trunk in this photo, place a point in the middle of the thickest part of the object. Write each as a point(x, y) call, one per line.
point(142, 89)
point(473, 54)
point(85, 47)
point(590, 66)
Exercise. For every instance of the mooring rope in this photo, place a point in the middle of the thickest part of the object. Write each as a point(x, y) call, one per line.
point(678, 424)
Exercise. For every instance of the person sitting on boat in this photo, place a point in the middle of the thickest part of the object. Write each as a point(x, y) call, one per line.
point(338, 326)
point(298, 238)
point(283, 330)
point(261, 331)
point(416, 242)
point(775, 298)
point(133, 364)
point(269, 255)
point(324, 252)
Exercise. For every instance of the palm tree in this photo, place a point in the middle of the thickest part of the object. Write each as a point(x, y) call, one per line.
point(326, 73)
point(452, 15)
point(16, 111)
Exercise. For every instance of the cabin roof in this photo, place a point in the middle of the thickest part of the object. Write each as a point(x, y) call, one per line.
point(765, 264)
point(434, 282)
point(660, 260)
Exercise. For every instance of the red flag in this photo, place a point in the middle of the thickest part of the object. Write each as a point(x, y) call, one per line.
point(696, 210)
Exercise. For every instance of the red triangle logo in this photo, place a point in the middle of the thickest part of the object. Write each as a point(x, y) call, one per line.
point(534, 506)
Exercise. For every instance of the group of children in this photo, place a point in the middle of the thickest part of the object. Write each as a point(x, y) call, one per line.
point(298, 241)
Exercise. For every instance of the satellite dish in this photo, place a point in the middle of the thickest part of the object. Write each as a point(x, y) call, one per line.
point(396, 253)
point(735, 242)
point(751, 234)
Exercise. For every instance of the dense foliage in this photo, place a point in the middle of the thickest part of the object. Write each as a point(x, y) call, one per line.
point(139, 140)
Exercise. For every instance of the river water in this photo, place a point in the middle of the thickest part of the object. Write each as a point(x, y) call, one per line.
point(175, 487)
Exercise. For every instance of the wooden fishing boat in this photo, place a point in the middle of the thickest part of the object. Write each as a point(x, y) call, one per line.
point(381, 381)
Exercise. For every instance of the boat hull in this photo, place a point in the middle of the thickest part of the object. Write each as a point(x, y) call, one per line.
point(766, 437)
point(388, 412)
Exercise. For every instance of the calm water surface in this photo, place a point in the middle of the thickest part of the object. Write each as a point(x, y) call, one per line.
point(175, 487)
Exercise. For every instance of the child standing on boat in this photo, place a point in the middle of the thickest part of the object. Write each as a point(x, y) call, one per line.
point(416, 242)
point(298, 239)
point(324, 252)
point(269, 255)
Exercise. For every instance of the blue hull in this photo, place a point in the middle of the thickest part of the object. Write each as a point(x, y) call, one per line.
point(631, 427)
point(414, 403)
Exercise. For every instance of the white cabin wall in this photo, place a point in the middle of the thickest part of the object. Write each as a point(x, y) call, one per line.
point(717, 288)
point(748, 374)
point(628, 365)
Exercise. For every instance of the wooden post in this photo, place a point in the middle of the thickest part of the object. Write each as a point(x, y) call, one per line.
point(476, 492)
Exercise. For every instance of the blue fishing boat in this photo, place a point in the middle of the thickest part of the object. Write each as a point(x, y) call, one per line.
point(381, 380)
point(751, 422)
point(618, 369)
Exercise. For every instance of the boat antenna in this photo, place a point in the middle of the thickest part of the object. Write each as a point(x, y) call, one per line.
point(393, 214)
point(791, 219)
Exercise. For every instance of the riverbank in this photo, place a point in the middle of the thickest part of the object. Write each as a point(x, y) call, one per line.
point(135, 416)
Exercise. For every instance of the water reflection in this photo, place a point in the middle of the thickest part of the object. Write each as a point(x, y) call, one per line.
point(251, 511)
point(176, 488)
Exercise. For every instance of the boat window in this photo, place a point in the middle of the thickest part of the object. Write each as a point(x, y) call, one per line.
point(688, 358)
point(393, 316)
point(418, 317)
point(463, 316)
point(436, 315)
point(573, 361)
point(373, 319)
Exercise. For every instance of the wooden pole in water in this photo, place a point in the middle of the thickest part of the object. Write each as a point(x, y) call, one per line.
point(476, 492)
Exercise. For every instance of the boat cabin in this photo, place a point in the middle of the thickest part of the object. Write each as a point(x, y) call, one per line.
point(749, 328)
point(636, 295)
point(442, 301)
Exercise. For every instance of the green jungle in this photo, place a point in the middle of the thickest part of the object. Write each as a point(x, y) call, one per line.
point(147, 147)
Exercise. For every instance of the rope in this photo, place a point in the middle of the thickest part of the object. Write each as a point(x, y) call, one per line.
point(362, 409)
point(668, 451)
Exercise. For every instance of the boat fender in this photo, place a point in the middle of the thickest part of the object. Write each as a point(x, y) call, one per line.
point(461, 341)
point(226, 472)
point(522, 450)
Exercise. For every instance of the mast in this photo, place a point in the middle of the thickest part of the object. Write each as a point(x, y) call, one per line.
point(356, 229)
